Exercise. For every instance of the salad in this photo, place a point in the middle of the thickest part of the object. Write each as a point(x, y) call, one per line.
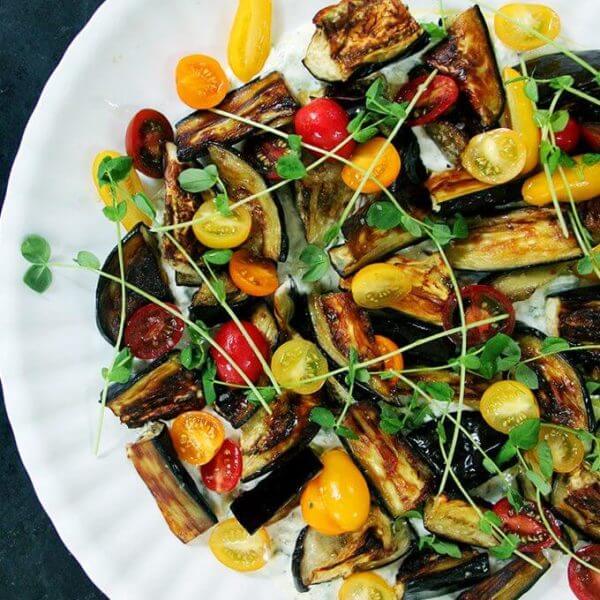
point(362, 312)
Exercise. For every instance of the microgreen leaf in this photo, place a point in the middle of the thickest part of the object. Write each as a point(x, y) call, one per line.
point(527, 376)
point(384, 216)
point(538, 481)
point(220, 291)
point(590, 159)
point(115, 213)
point(196, 181)
point(460, 228)
point(411, 225)
point(317, 262)
point(514, 498)
point(525, 435)
point(193, 357)
point(267, 395)
point(290, 166)
point(346, 432)
point(507, 547)
point(322, 416)
point(389, 419)
point(38, 278)
point(122, 367)
point(439, 546)
point(531, 90)
point(490, 465)
point(487, 522)
point(208, 382)
point(35, 249)
point(114, 169)
point(506, 453)
point(544, 456)
point(295, 143)
point(87, 260)
point(592, 387)
point(500, 353)
point(438, 390)
point(436, 32)
point(218, 257)
point(222, 204)
point(332, 234)
point(411, 514)
point(562, 82)
point(585, 266)
point(552, 345)
point(145, 205)
point(559, 120)
point(441, 432)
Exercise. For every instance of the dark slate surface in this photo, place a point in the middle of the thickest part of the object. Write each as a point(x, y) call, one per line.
point(34, 564)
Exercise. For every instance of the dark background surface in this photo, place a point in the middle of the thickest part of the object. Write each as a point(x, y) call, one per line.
point(34, 564)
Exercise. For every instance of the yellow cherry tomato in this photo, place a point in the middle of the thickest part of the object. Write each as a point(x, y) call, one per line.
point(566, 448)
point(250, 38)
point(216, 230)
point(506, 404)
point(386, 170)
point(517, 24)
point(314, 511)
point(197, 436)
point(583, 181)
point(521, 111)
point(233, 546)
point(366, 586)
point(201, 81)
point(126, 189)
point(380, 285)
point(495, 157)
point(297, 360)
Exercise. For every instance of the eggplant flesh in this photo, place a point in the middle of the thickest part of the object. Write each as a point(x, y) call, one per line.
point(184, 509)
point(451, 139)
point(319, 558)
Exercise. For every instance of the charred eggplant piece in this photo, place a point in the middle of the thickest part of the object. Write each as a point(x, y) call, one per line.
point(258, 506)
point(356, 36)
point(468, 56)
point(141, 258)
point(319, 558)
point(186, 512)
point(267, 101)
point(451, 139)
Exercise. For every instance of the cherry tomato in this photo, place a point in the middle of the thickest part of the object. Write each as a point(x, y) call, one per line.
point(201, 81)
point(314, 511)
point(380, 285)
point(386, 170)
point(297, 360)
point(233, 342)
point(366, 586)
point(514, 23)
point(567, 449)
point(568, 139)
point(324, 123)
point(584, 582)
point(506, 404)
point(234, 547)
point(396, 362)
point(528, 525)
point(496, 156)
point(480, 302)
point(264, 152)
point(223, 473)
point(437, 100)
point(591, 135)
point(216, 230)
point(152, 331)
point(253, 275)
point(145, 141)
point(197, 436)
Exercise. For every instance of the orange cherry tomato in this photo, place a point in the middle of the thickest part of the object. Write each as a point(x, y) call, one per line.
point(366, 586)
point(517, 25)
point(386, 170)
point(395, 363)
point(201, 81)
point(314, 511)
point(197, 436)
point(253, 275)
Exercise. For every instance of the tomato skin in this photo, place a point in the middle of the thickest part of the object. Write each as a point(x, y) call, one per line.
point(197, 436)
point(440, 97)
point(324, 123)
point(215, 230)
point(584, 582)
point(567, 450)
point(536, 16)
point(231, 339)
point(145, 140)
point(152, 331)
point(379, 285)
point(253, 275)
point(366, 585)
point(568, 139)
point(297, 360)
point(506, 404)
point(201, 81)
point(591, 135)
point(223, 473)
point(314, 511)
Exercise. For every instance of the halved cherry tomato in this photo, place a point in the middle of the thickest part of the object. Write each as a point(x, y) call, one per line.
point(152, 331)
point(591, 135)
point(584, 582)
point(233, 546)
point(265, 152)
point(216, 230)
point(480, 302)
point(366, 586)
point(145, 140)
point(506, 404)
point(568, 139)
point(528, 525)
point(396, 362)
point(324, 123)
point(223, 473)
point(201, 81)
point(496, 156)
point(386, 170)
point(380, 285)
point(567, 449)
point(437, 100)
point(297, 360)
point(197, 436)
point(314, 511)
point(513, 24)
point(233, 342)
point(253, 275)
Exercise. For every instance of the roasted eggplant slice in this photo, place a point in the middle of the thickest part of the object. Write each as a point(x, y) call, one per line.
point(186, 512)
point(355, 36)
point(267, 101)
point(450, 138)
point(319, 558)
point(400, 478)
point(141, 258)
point(163, 390)
point(256, 507)
point(576, 497)
point(427, 574)
point(468, 56)
point(456, 520)
point(510, 582)
point(512, 240)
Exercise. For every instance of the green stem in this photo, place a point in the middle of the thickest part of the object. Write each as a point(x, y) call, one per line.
point(582, 95)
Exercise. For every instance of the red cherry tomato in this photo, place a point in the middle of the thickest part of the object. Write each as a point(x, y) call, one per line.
point(152, 331)
point(440, 97)
point(231, 339)
point(145, 141)
point(591, 136)
point(528, 525)
point(584, 582)
point(324, 123)
point(568, 139)
point(265, 152)
point(481, 302)
point(223, 473)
